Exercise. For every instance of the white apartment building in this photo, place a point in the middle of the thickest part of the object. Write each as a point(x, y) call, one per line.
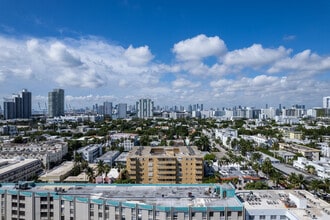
point(322, 167)
point(133, 202)
point(47, 152)
point(91, 152)
point(325, 149)
point(157, 202)
point(225, 135)
point(283, 205)
point(19, 169)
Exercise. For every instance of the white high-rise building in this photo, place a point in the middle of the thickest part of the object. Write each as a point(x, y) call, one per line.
point(326, 102)
point(144, 108)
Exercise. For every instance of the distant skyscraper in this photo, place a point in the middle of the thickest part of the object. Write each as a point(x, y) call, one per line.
point(107, 108)
point(326, 102)
point(18, 102)
point(144, 108)
point(20, 106)
point(9, 109)
point(122, 110)
point(27, 103)
point(56, 103)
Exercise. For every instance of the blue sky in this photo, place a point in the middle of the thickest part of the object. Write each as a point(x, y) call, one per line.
point(220, 53)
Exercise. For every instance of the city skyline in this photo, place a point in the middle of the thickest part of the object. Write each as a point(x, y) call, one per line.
point(217, 53)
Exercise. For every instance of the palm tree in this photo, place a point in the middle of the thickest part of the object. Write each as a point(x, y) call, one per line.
point(100, 167)
point(297, 180)
point(276, 177)
point(326, 185)
point(256, 156)
point(106, 169)
point(301, 181)
point(90, 174)
point(315, 185)
point(78, 158)
point(267, 167)
point(256, 167)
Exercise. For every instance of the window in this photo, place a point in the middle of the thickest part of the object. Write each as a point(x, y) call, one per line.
point(273, 217)
point(229, 213)
point(262, 217)
point(251, 217)
point(282, 217)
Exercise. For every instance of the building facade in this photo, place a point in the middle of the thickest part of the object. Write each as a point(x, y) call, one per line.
point(122, 110)
point(133, 202)
point(107, 108)
point(144, 108)
point(156, 202)
point(56, 103)
point(91, 152)
point(165, 165)
point(17, 170)
point(326, 102)
point(19, 106)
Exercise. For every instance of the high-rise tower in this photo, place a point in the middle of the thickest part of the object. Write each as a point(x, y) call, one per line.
point(326, 102)
point(56, 103)
point(19, 106)
point(144, 108)
point(27, 104)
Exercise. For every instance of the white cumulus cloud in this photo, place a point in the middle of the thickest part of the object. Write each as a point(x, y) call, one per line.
point(199, 47)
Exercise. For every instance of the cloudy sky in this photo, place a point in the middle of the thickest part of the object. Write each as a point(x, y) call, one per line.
point(220, 53)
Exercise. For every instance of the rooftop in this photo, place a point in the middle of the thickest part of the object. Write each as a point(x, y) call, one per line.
point(300, 203)
point(165, 151)
point(168, 195)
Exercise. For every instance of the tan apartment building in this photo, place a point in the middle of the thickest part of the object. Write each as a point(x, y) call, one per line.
point(309, 153)
point(165, 165)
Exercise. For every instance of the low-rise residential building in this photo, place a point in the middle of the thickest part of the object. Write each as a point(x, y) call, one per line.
point(260, 140)
point(286, 155)
point(226, 135)
point(91, 152)
point(18, 169)
point(58, 174)
point(283, 204)
point(109, 157)
point(321, 167)
point(120, 161)
point(49, 152)
point(309, 153)
point(8, 130)
point(165, 165)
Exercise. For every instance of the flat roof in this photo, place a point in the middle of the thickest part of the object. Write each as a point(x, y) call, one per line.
point(168, 195)
point(13, 164)
point(300, 203)
point(60, 170)
point(167, 151)
point(109, 155)
point(122, 157)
